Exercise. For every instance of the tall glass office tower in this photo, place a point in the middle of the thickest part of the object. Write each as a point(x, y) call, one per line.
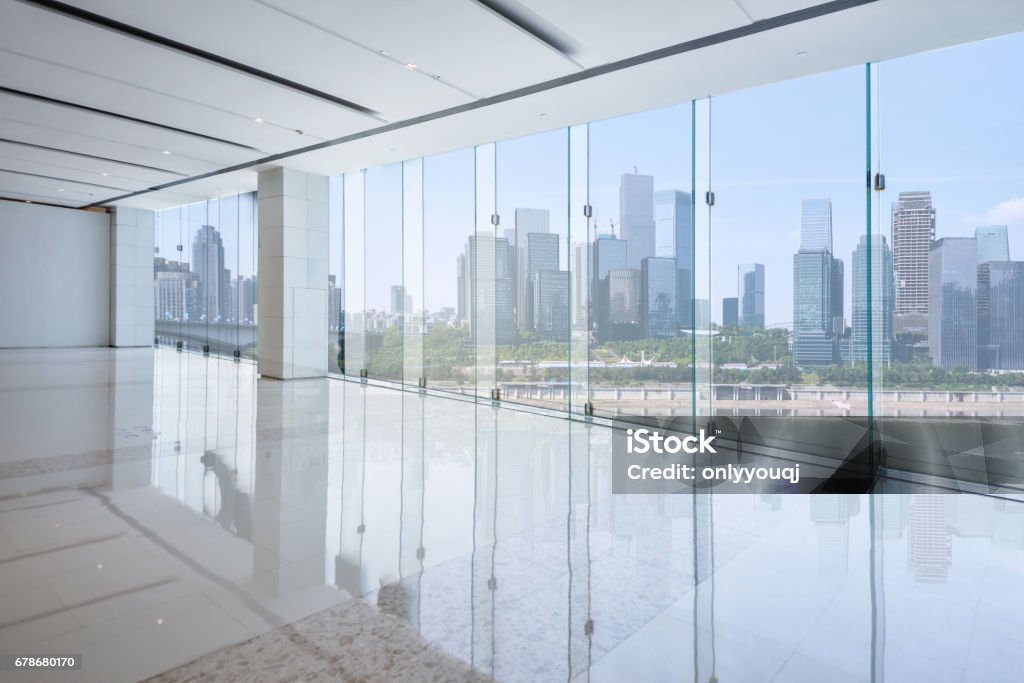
point(812, 286)
point(878, 304)
point(1001, 315)
point(816, 225)
point(214, 279)
point(527, 222)
point(953, 310)
point(993, 244)
point(674, 230)
point(750, 285)
point(658, 314)
point(636, 217)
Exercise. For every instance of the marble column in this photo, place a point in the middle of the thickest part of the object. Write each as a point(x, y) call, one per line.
point(131, 277)
point(293, 247)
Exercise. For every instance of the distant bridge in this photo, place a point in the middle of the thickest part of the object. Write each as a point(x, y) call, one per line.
point(222, 336)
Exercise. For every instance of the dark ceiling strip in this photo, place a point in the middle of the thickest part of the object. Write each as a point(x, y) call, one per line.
point(696, 44)
point(63, 180)
point(524, 24)
point(93, 156)
point(147, 36)
point(123, 117)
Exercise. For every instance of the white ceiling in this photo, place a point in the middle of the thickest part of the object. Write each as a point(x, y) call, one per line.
point(463, 50)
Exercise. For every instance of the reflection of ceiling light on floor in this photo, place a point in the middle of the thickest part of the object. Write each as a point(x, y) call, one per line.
point(167, 152)
point(60, 189)
point(104, 174)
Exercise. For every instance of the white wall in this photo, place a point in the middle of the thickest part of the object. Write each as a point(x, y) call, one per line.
point(54, 276)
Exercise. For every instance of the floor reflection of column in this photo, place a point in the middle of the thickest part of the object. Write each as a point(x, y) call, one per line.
point(403, 598)
point(878, 530)
point(581, 628)
point(131, 392)
point(485, 510)
point(704, 587)
point(290, 506)
point(348, 564)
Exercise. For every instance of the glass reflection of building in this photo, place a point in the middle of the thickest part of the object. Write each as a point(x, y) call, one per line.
point(674, 230)
point(1000, 303)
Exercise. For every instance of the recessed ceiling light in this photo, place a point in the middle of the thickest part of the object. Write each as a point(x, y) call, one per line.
point(410, 66)
point(259, 119)
point(60, 189)
point(167, 152)
point(28, 201)
point(104, 173)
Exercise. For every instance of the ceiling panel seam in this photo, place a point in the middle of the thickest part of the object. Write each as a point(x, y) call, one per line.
point(109, 24)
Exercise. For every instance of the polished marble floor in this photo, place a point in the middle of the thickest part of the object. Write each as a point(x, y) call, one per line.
point(169, 515)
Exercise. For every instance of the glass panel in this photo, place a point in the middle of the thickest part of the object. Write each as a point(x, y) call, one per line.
point(491, 293)
point(532, 194)
point(413, 323)
point(448, 215)
point(354, 264)
point(385, 294)
point(336, 275)
point(640, 191)
point(247, 280)
point(789, 224)
point(581, 257)
point(950, 146)
point(701, 330)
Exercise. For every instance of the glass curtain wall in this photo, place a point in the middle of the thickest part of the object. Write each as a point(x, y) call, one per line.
point(205, 287)
point(949, 347)
point(641, 284)
point(532, 196)
point(385, 295)
point(448, 220)
point(354, 262)
point(336, 275)
point(788, 238)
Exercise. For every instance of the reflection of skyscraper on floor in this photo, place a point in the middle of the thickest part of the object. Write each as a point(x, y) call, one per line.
point(750, 286)
point(214, 278)
point(636, 217)
point(674, 239)
point(831, 516)
point(913, 229)
point(953, 307)
point(929, 542)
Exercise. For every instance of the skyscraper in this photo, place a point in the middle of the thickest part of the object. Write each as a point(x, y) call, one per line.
point(1001, 315)
point(658, 314)
point(550, 307)
point(838, 295)
point(398, 300)
point(609, 254)
point(541, 255)
point(526, 221)
point(636, 217)
point(490, 295)
point(812, 308)
point(582, 256)
point(214, 278)
point(953, 310)
point(816, 225)
point(750, 286)
point(876, 305)
point(674, 233)
point(730, 311)
point(993, 244)
point(913, 229)
point(623, 288)
point(812, 286)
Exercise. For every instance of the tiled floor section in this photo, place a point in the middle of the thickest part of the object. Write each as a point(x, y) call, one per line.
point(165, 513)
